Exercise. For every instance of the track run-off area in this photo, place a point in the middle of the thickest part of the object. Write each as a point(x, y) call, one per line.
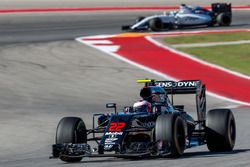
point(144, 52)
point(46, 74)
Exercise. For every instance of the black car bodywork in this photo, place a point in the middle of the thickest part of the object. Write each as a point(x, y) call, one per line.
point(167, 131)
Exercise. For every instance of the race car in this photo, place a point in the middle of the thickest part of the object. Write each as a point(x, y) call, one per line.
point(187, 16)
point(151, 127)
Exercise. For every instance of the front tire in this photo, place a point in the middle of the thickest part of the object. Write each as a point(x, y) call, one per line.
point(71, 130)
point(220, 130)
point(170, 128)
point(156, 24)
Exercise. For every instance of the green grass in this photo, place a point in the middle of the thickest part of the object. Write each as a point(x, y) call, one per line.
point(234, 57)
point(204, 38)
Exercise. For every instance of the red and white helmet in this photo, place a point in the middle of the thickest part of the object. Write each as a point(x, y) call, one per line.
point(142, 106)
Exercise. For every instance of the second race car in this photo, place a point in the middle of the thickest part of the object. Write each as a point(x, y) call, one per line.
point(220, 14)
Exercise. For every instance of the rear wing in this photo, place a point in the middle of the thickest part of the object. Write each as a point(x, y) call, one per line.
point(184, 87)
point(180, 87)
point(218, 8)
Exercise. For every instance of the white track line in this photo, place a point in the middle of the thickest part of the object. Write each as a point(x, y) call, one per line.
point(198, 32)
point(195, 59)
point(93, 42)
point(209, 44)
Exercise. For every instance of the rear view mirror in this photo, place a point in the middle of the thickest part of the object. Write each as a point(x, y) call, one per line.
point(111, 105)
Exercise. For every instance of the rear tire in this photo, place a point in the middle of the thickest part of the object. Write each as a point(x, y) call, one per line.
point(155, 24)
point(224, 19)
point(220, 130)
point(170, 128)
point(71, 130)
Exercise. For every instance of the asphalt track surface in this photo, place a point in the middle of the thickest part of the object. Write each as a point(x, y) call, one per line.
point(46, 75)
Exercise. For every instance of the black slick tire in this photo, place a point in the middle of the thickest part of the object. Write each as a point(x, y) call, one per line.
point(220, 130)
point(224, 19)
point(155, 24)
point(170, 128)
point(71, 130)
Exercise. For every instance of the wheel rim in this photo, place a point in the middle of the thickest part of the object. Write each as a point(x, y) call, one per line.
point(79, 136)
point(180, 136)
point(232, 132)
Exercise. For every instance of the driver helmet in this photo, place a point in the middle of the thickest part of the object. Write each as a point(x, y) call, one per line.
point(153, 94)
point(183, 6)
point(142, 106)
point(146, 94)
point(185, 9)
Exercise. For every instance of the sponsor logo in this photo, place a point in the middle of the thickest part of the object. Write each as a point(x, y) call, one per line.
point(148, 124)
point(113, 133)
point(109, 143)
point(177, 84)
point(108, 146)
point(110, 140)
point(191, 19)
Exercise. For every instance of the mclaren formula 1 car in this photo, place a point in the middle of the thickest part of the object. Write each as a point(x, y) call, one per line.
point(151, 127)
point(187, 16)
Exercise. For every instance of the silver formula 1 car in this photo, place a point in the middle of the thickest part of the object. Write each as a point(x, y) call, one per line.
point(220, 14)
